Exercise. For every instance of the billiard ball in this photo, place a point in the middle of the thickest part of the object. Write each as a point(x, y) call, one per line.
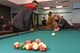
point(33, 42)
point(53, 34)
point(16, 45)
point(38, 40)
point(22, 45)
point(41, 43)
point(35, 46)
point(42, 47)
point(28, 46)
point(28, 41)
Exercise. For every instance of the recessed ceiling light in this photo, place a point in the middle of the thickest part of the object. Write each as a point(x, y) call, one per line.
point(59, 6)
point(46, 8)
point(56, 1)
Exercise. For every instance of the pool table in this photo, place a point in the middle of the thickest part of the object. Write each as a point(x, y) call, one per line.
point(65, 41)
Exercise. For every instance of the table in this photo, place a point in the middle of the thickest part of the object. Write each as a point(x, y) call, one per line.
point(65, 41)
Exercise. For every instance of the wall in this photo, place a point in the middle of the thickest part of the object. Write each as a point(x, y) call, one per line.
point(15, 10)
point(76, 12)
point(70, 13)
point(6, 12)
point(66, 12)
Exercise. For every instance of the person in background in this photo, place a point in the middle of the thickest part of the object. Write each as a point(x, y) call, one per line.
point(57, 18)
point(51, 23)
point(71, 23)
point(24, 19)
point(63, 23)
point(4, 26)
point(1, 22)
point(44, 21)
point(9, 27)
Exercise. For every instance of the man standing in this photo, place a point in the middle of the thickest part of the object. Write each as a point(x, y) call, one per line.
point(24, 19)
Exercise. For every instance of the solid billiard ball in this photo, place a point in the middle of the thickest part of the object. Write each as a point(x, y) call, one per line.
point(28, 41)
point(53, 34)
point(28, 46)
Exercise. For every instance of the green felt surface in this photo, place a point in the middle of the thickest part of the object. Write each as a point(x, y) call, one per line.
point(64, 42)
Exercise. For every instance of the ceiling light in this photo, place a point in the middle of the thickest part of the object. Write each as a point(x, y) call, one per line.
point(46, 8)
point(56, 1)
point(59, 6)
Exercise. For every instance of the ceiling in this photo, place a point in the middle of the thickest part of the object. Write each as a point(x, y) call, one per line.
point(42, 3)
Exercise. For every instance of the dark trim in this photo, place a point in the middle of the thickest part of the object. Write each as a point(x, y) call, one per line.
point(58, 13)
point(76, 9)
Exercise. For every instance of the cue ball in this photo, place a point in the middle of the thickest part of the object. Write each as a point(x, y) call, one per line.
point(53, 34)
